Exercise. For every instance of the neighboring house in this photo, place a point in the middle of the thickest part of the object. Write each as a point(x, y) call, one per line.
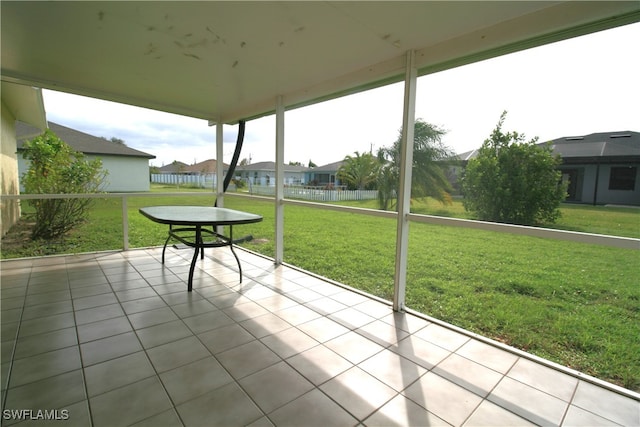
point(174, 167)
point(128, 169)
point(206, 167)
point(22, 103)
point(202, 174)
point(264, 173)
point(202, 168)
point(600, 168)
point(324, 175)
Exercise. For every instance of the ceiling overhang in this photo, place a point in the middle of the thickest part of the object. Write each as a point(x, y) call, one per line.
point(25, 104)
point(227, 61)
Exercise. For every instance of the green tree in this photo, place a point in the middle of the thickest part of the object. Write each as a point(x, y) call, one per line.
point(430, 157)
point(116, 140)
point(513, 181)
point(55, 168)
point(386, 183)
point(359, 171)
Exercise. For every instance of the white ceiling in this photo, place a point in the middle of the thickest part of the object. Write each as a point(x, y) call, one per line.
point(226, 61)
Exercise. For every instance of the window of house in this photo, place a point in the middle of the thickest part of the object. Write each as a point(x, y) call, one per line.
point(623, 178)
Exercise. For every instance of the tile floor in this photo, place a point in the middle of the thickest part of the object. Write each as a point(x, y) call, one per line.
point(114, 339)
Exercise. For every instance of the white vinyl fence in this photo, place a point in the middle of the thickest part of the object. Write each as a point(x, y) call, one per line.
point(207, 180)
point(315, 194)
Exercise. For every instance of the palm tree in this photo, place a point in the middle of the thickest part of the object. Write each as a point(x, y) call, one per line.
point(387, 183)
point(429, 162)
point(359, 171)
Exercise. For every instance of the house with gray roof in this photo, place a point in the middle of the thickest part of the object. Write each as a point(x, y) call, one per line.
point(326, 175)
point(201, 174)
point(264, 173)
point(128, 169)
point(174, 167)
point(600, 168)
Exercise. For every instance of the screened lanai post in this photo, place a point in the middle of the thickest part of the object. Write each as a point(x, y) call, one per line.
point(404, 187)
point(279, 237)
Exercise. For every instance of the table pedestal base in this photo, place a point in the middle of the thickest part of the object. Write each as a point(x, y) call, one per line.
point(198, 242)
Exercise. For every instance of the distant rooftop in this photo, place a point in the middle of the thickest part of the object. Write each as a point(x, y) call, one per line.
point(270, 166)
point(604, 144)
point(329, 167)
point(621, 144)
point(79, 141)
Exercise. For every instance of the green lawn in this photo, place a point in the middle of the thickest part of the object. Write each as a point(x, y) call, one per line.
point(575, 304)
point(616, 221)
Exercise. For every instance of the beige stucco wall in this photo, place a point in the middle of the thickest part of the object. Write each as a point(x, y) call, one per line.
point(8, 170)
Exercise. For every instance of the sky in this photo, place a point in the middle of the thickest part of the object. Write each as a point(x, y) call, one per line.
point(575, 87)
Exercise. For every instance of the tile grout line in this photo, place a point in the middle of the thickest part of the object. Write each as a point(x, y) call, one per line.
point(15, 343)
point(144, 349)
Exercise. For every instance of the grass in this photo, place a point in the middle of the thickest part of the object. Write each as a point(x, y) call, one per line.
point(615, 221)
point(575, 304)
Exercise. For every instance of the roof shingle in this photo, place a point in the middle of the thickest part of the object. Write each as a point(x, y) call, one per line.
point(79, 141)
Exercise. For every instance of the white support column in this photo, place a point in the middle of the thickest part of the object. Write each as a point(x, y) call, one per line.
point(279, 243)
point(404, 187)
point(219, 189)
point(125, 224)
point(219, 164)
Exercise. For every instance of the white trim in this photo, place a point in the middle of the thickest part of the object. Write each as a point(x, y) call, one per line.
point(279, 217)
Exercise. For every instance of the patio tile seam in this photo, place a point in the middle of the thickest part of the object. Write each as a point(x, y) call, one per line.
point(469, 387)
point(531, 357)
point(166, 391)
point(63, 406)
point(362, 418)
point(486, 396)
point(444, 418)
point(14, 340)
point(148, 358)
point(571, 399)
point(525, 412)
point(508, 374)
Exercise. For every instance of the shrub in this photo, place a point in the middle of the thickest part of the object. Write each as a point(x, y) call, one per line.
point(58, 169)
point(513, 181)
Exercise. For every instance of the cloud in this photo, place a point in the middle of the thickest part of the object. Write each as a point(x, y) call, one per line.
point(167, 136)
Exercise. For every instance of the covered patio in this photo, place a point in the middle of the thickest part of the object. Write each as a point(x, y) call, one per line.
point(114, 339)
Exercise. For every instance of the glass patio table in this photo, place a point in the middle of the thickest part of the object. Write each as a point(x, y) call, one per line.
point(188, 224)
